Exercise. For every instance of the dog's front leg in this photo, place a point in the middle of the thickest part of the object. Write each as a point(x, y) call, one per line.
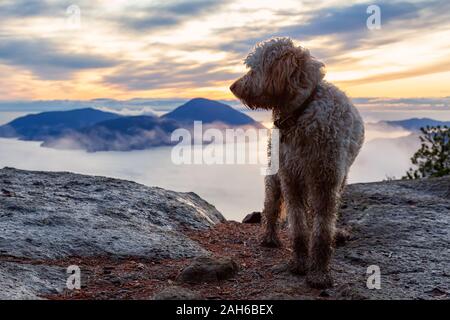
point(271, 212)
point(296, 202)
point(324, 200)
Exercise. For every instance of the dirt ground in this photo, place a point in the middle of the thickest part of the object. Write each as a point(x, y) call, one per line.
point(105, 278)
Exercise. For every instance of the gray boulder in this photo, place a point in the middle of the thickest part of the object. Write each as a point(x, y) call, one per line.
point(254, 217)
point(50, 215)
point(56, 215)
point(208, 269)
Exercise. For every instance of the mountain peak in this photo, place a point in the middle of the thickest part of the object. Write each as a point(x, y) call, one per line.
point(210, 111)
point(200, 99)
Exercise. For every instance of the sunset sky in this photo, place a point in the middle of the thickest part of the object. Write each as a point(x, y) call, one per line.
point(165, 49)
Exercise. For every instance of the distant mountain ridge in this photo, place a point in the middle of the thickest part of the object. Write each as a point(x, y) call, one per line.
point(416, 123)
point(95, 130)
point(41, 126)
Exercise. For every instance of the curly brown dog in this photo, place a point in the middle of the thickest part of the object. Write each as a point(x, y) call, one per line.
point(321, 135)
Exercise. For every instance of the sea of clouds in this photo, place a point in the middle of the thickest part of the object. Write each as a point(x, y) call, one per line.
point(235, 189)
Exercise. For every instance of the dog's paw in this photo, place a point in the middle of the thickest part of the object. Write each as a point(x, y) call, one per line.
point(294, 267)
point(270, 240)
point(319, 279)
point(341, 236)
point(297, 267)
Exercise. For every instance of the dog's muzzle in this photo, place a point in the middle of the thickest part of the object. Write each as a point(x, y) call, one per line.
point(233, 88)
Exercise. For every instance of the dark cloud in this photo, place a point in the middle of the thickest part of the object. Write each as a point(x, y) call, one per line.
point(46, 60)
point(27, 8)
point(168, 14)
point(149, 22)
point(350, 19)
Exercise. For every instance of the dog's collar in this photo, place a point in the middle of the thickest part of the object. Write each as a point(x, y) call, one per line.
point(291, 120)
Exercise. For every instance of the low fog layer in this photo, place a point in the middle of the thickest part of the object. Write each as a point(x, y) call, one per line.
point(234, 189)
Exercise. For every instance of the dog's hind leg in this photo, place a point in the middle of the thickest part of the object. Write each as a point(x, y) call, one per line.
point(271, 212)
point(342, 234)
point(324, 200)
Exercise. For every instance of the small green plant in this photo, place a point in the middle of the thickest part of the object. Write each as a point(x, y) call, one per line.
point(433, 157)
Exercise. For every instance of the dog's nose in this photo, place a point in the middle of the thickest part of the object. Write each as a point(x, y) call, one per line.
point(233, 87)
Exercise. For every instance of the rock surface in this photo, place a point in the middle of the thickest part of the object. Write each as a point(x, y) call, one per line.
point(176, 293)
point(30, 281)
point(50, 215)
point(404, 228)
point(132, 241)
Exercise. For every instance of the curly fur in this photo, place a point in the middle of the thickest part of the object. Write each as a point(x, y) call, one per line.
point(315, 155)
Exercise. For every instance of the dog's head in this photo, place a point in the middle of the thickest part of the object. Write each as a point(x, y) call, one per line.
point(279, 74)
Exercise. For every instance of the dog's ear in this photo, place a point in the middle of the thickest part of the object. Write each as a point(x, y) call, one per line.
point(280, 73)
point(313, 71)
point(294, 71)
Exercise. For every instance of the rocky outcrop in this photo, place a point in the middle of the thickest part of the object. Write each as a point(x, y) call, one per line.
point(55, 216)
point(403, 227)
point(132, 241)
